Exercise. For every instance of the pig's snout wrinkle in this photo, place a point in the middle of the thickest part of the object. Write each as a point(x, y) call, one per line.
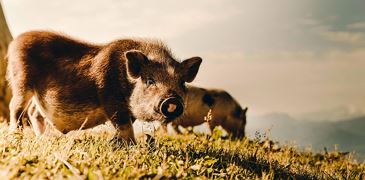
point(171, 107)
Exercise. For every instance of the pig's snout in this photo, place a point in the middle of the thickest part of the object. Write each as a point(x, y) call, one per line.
point(171, 107)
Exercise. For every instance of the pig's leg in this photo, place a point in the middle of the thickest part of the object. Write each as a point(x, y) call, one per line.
point(212, 125)
point(125, 132)
point(123, 124)
point(164, 127)
point(19, 84)
point(36, 119)
point(176, 128)
point(17, 107)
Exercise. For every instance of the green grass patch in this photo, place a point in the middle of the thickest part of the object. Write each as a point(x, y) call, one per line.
point(91, 155)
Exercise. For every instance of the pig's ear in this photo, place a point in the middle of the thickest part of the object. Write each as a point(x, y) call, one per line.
point(244, 111)
point(135, 61)
point(190, 68)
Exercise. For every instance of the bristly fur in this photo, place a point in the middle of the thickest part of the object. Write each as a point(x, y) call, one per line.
point(72, 80)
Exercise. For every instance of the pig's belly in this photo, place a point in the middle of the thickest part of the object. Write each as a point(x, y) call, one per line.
point(68, 117)
point(66, 122)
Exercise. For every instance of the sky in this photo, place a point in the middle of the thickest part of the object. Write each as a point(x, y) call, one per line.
point(302, 58)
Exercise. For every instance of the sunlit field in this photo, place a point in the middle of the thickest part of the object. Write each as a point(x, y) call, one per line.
point(91, 154)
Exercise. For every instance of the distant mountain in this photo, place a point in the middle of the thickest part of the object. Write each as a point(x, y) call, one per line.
point(348, 134)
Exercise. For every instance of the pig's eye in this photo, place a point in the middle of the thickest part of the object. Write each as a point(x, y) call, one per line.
point(150, 82)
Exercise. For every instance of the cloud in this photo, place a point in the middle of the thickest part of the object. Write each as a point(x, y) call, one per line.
point(102, 21)
point(357, 25)
point(296, 82)
point(325, 30)
point(346, 37)
point(309, 21)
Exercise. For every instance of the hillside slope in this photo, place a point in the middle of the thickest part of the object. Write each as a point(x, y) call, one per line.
point(90, 154)
point(347, 135)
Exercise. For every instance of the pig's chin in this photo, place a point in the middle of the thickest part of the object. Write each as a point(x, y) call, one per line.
point(166, 121)
point(150, 117)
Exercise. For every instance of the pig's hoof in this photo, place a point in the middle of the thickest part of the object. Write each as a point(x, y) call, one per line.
point(151, 141)
point(119, 142)
point(15, 131)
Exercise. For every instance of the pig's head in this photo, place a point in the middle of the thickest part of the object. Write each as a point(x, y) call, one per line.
point(238, 120)
point(159, 89)
point(235, 122)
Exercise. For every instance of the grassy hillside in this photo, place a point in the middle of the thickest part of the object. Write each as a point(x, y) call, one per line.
point(89, 154)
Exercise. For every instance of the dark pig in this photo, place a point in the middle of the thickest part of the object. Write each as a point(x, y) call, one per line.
point(76, 85)
point(214, 106)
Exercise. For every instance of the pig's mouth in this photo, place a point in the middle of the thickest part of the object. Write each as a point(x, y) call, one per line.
point(171, 108)
point(166, 121)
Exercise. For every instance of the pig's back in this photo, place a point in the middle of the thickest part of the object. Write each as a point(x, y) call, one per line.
point(44, 45)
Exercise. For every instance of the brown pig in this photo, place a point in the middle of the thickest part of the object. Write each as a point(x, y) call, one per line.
point(216, 107)
point(76, 85)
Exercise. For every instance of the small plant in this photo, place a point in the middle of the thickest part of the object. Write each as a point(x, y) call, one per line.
point(209, 116)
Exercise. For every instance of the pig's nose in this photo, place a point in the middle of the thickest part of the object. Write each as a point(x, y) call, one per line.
point(172, 107)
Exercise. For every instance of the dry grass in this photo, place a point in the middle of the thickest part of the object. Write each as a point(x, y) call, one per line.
point(90, 155)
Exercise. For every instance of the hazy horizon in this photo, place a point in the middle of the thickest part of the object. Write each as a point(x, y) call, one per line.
point(305, 59)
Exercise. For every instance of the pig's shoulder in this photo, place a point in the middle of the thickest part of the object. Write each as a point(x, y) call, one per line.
point(154, 49)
